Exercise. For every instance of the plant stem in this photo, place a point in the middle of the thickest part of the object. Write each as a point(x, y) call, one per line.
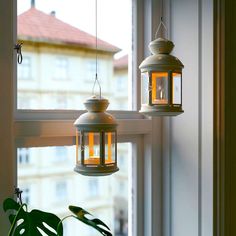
point(60, 223)
point(15, 219)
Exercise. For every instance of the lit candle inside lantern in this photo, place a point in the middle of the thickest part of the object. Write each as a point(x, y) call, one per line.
point(109, 148)
point(91, 144)
point(158, 89)
point(154, 89)
point(94, 158)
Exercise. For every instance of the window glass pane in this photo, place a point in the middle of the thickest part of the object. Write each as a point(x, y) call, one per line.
point(24, 69)
point(52, 187)
point(160, 88)
point(145, 87)
point(59, 56)
point(176, 88)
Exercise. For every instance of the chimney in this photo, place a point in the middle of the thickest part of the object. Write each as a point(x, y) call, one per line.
point(53, 13)
point(32, 3)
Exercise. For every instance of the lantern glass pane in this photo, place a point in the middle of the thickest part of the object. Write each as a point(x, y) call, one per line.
point(144, 85)
point(176, 88)
point(110, 147)
point(159, 88)
point(78, 147)
point(91, 148)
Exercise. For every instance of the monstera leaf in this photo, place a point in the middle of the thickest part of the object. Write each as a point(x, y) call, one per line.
point(29, 223)
point(95, 223)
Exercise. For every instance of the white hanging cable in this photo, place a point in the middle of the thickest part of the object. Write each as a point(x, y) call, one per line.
point(161, 22)
point(96, 74)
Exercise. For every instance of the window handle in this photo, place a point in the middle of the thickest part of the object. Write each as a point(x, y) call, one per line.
point(18, 47)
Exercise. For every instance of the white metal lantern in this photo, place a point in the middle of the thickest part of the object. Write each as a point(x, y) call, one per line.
point(96, 135)
point(161, 78)
point(96, 139)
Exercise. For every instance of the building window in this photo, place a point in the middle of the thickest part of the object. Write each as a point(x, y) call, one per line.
point(61, 102)
point(61, 191)
point(26, 195)
point(61, 68)
point(23, 156)
point(91, 70)
point(24, 69)
point(60, 154)
point(121, 187)
point(122, 162)
point(121, 224)
point(93, 187)
point(121, 85)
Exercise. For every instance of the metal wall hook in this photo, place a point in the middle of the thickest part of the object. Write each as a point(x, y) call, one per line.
point(18, 47)
point(18, 193)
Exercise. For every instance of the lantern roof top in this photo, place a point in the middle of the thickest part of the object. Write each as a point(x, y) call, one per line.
point(96, 103)
point(96, 117)
point(161, 45)
point(161, 58)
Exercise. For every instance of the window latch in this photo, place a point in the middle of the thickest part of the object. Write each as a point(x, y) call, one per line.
point(18, 47)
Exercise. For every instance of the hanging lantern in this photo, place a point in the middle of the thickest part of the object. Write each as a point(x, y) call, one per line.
point(96, 139)
point(161, 78)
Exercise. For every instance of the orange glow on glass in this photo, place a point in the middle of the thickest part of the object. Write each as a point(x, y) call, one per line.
point(176, 74)
point(154, 87)
point(91, 144)
point(109, 147)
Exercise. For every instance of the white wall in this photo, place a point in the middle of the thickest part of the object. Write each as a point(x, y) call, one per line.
point(187, 140)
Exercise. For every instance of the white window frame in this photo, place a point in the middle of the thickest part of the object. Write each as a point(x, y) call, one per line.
point(25, 128)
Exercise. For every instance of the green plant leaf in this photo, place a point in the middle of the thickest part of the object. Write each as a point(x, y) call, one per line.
point(32, 221)
point(95, 223)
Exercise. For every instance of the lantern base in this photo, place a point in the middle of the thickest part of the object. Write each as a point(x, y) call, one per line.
point(89, 170)
point(161, 110)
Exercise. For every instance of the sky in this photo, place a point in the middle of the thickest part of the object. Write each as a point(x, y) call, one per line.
point(114, 17)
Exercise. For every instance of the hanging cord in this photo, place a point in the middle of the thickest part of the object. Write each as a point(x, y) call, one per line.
point(18, 47)
point(159, 26)
point(97, 81)
point(96, 74)
point(161, 21)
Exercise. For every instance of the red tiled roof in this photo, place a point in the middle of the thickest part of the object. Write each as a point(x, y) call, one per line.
point(121, 63)
point(38, 26)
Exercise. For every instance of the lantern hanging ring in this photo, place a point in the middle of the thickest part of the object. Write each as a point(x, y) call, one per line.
point(94, 84)
point(159, 26)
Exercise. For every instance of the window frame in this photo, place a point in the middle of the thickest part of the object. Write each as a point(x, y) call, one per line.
point(25, 128)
